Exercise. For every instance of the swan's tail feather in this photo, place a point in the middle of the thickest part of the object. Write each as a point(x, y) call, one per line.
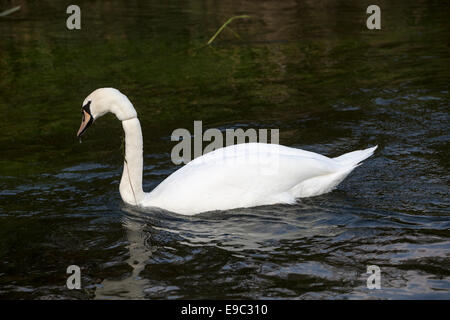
point(355, 157)
point(325, 183)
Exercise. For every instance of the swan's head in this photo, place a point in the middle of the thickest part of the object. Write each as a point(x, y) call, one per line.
point(102, 101)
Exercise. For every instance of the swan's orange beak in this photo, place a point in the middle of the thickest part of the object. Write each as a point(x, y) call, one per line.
point(86, 121)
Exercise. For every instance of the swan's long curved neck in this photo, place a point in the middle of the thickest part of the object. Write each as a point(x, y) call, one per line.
point(131, 182)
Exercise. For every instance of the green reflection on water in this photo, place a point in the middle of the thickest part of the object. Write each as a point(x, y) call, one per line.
point(295, 60)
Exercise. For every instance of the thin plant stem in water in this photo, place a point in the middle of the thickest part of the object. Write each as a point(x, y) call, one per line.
point(208, 44)
point(224, 26)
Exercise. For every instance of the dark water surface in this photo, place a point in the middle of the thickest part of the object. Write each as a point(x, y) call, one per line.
point(309, 68)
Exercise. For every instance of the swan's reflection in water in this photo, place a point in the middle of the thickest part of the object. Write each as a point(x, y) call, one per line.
point(248, 233)
point(133, 286)
point(274, 250)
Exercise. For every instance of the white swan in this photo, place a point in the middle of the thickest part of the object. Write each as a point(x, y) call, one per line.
point(243, 175)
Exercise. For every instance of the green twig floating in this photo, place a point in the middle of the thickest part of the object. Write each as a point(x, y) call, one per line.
point(224, 26)
point(9, 11)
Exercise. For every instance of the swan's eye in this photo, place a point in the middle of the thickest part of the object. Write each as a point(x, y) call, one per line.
point(87, 107)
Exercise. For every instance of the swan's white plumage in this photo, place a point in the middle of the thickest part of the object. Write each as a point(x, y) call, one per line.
point(243, 175)
point(237, 176)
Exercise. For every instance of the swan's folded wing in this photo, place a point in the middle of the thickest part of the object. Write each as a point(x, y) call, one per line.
point(231, 179)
